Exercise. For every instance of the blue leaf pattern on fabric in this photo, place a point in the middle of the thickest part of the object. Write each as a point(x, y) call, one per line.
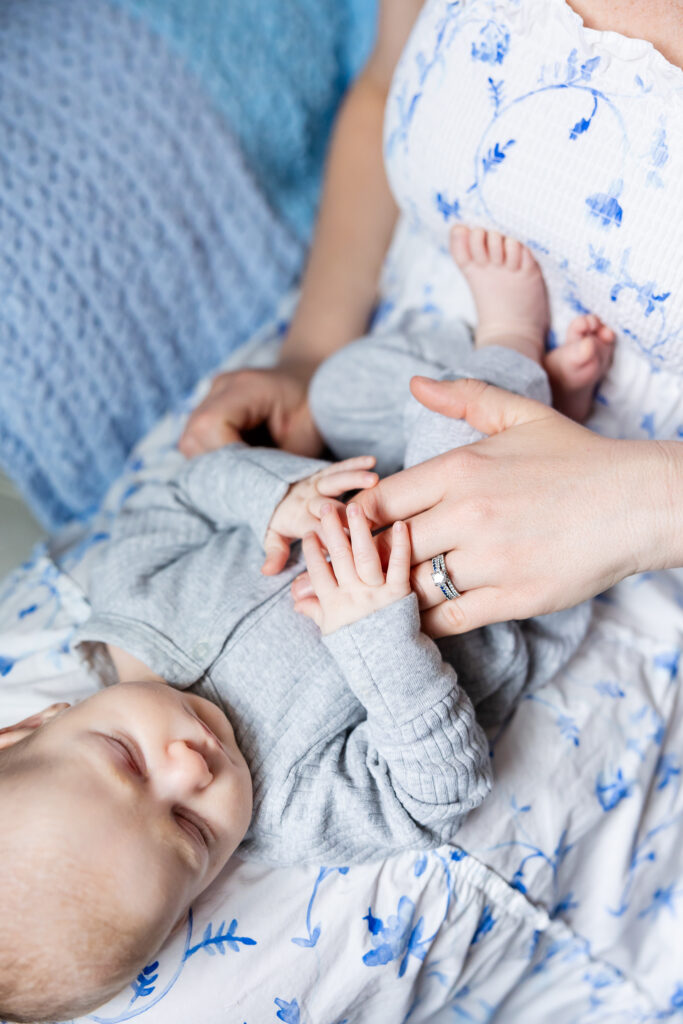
point(288, 1011)
point(493, 44)
point(486, 923)
point(496, 155)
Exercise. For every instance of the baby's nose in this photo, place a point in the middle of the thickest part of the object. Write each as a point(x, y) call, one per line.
point(186, 770)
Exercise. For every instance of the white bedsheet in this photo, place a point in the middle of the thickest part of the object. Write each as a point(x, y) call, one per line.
point(562, 903)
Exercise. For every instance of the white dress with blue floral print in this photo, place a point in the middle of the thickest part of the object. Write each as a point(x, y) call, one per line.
point(564, 900)
point(511, 115)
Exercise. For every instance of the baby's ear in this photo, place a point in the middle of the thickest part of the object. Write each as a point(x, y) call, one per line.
point(12, 734)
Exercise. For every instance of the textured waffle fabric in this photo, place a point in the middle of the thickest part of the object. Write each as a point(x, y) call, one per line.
point(136, 249)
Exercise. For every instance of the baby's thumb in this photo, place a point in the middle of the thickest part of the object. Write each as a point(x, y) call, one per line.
point(485, 407)
point(276, 548)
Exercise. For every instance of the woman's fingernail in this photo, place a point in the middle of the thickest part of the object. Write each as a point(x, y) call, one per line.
point(324, 509)
point(399, 527)
point(352, 510)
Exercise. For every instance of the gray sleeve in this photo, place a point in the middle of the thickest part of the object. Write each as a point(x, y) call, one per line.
point(241, 484)
point(174, 568)
point(406, 776)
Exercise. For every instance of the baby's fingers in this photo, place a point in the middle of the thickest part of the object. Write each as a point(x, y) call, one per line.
point(345, 480)
point(398, 570)
point(357, 462)
point(276, 548)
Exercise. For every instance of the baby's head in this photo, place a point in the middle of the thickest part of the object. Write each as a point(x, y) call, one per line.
point(116, 814)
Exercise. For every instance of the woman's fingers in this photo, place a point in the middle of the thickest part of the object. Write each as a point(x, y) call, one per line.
point(302, 587)
point(466, 573)
point(338, 547)
point(405, 494)
point(485, 407)
point(461, 615)
point(398, 570)
point(368, 565)
point(320, 575)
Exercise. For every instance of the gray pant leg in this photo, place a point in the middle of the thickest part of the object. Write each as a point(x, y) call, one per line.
point(361, 402)
point(429, 433)
point(358, 397)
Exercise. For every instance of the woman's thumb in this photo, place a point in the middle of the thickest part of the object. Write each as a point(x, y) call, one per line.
point(485, 407)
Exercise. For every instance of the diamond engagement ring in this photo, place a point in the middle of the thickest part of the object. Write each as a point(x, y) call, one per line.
point(442, 580)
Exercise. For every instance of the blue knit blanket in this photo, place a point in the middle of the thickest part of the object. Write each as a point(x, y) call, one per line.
point(159, 161)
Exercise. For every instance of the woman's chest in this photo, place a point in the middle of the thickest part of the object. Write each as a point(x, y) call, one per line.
point(509, 114)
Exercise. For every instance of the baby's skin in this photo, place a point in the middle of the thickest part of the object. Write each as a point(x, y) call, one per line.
point(512, 310)
point(142, 787)
point(143, 781)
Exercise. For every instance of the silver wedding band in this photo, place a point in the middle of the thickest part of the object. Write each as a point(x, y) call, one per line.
point(442, 580)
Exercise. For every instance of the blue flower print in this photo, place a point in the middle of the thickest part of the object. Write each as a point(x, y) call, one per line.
point(397, 938)
point(448, 209)
point(611, 791)
point(493, 44)
point(605, 207)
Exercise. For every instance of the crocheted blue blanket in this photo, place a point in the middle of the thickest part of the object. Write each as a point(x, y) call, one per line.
point(159, 161)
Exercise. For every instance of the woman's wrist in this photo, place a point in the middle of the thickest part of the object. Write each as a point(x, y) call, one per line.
point(652, 475)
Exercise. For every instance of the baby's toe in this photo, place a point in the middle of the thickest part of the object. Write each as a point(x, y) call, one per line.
point(478, 246)
point(579, 328)
point(460, 245)
point(513, 254)
point(496, 248)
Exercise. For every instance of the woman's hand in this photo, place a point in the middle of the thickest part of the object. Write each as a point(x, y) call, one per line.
point(539, 516)
point(244, 399)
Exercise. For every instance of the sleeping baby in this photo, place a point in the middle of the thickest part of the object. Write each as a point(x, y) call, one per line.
point(330, 729)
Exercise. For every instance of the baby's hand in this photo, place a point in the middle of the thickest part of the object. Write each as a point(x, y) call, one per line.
point(353, 584)
point(298, 512)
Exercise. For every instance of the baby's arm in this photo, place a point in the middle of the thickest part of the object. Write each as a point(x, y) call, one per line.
point(406, 775)
point(182, 559)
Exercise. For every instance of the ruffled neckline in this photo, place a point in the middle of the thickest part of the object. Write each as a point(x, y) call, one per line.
point(625, 48)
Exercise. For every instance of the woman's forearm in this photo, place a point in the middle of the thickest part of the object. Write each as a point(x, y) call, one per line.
point(356, 220)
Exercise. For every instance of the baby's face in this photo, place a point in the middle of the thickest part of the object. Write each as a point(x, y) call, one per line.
point(151, 787)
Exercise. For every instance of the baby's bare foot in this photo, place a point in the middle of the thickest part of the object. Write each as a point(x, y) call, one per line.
point(577, 367)
point(508, 290)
